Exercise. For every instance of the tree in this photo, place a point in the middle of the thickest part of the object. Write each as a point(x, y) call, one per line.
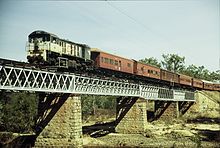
point(94, 105)
point(173, 62)
point(91, 103)
point(215, 76)
point(151, 61)
point(206, 75)
point(18, 111)
point(201, 72)
point(191, 70)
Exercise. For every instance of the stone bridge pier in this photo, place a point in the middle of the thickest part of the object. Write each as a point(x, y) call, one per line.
point(133, 114)
point(59, 122)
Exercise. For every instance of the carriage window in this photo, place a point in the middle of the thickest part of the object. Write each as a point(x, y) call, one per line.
point(129, 64)
point(116, 62)
point(111, 62)
point(119, 63)
point(148, 71)
point(142, 69)
point(106, 60)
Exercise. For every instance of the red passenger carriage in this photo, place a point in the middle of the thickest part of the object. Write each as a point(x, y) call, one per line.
point(169, 76)
point(146, 70)
point(111, 62)
point(185, 80)
point(197, 83)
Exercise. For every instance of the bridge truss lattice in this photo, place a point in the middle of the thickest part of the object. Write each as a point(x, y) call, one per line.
point(27, 79)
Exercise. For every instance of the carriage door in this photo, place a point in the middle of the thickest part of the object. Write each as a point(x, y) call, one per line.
point(119, 65)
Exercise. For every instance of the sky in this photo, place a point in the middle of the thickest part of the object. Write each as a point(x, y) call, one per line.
point(132, 29)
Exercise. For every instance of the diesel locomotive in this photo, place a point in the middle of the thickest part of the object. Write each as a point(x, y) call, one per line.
point(45, 48)
point(48, 49)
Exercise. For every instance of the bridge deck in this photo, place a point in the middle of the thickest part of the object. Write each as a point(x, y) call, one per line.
point(24, 79)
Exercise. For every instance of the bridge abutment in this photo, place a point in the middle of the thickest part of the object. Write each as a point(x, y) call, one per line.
point(59, 121)
point(131, 115)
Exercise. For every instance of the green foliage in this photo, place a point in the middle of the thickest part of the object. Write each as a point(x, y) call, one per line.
point(151, 61)
point(201, 72)
point(18, 111)
point(176, 63)
point(87, 104)
point(215, 75)
point(173, 62)
point(91, 103)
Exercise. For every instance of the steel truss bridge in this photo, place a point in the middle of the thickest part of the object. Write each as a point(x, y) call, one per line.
point(27, 79)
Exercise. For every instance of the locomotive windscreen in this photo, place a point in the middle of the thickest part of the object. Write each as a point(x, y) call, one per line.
point(40, 37)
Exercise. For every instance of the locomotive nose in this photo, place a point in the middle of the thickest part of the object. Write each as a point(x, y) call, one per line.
point(36, 47)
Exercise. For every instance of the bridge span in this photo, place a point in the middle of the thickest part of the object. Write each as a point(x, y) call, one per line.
point(59, 121)
point(27, 79)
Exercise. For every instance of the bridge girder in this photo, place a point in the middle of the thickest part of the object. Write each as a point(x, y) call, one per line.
point(27, 79)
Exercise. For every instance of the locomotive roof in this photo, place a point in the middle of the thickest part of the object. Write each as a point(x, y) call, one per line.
point(42, 32)
point(53, 35)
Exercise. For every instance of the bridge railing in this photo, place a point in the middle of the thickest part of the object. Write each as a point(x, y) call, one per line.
point(24, 79)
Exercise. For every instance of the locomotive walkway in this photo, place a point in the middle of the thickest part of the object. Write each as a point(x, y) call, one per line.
point(59, 121)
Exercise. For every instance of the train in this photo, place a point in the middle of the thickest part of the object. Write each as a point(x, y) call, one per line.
point(44, 48)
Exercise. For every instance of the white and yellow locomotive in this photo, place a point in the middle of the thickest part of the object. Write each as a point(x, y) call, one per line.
point(48, 49)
